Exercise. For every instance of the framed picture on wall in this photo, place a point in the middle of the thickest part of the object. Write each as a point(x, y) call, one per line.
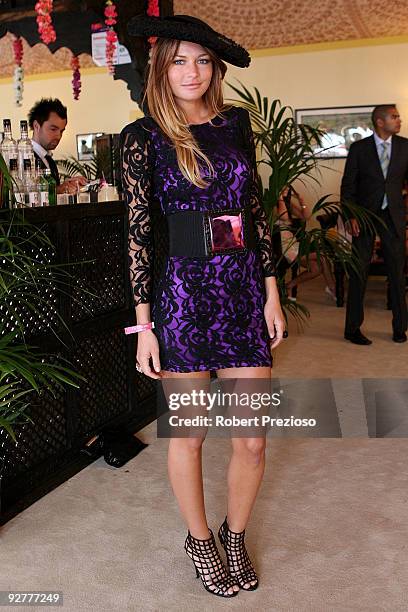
point(342, 126)
point(86, 145)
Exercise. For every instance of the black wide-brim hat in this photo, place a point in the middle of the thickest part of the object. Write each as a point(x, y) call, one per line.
point(185, 27)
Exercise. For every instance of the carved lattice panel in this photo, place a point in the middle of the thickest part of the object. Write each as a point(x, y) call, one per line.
point(99, 286)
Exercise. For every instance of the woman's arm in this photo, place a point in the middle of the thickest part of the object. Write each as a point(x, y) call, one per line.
point(136, 156)
point(299, 208)
point(136, 179)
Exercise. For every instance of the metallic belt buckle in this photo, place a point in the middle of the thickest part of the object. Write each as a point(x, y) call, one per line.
point(225, 231)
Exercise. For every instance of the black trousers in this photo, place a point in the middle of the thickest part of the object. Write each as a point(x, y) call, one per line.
point(393, 247)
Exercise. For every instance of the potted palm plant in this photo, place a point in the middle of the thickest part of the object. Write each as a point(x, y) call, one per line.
point(24, 285)
point(288, 151)
point(98, 166)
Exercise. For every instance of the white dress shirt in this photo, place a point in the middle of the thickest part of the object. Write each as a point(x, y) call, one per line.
point(41, 152)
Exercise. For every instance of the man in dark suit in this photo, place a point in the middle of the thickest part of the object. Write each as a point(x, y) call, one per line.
point(48, 119)
point(374, 175)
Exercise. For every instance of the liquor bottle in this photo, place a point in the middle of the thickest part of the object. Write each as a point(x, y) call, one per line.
point(43, 186)
point(8, 146)
point(3, 184)
point(30, 186)
point(52, 187)
point(42, 183)
point(25, 148)
point(17, 191)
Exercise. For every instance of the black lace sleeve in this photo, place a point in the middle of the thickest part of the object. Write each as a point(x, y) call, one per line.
point(263, 231)
point(137, 166)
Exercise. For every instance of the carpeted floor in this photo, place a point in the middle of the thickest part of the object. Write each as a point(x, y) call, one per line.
point(320, 350)
point(329, 530)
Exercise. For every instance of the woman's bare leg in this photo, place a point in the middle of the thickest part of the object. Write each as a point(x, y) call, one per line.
point(307, 275)
point(328, 276)
point(185, 467)
point(247, 465)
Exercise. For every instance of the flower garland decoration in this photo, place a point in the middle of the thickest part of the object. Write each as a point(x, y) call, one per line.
point(153, 10)
point(18, 70)
point(44, 21)
point(76, 76)
point(111, 36)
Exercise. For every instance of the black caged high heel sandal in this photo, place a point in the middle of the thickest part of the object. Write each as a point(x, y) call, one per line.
point(209, 566)
point(239, 563)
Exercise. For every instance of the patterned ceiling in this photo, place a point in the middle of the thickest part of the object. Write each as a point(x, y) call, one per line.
point(257, 24)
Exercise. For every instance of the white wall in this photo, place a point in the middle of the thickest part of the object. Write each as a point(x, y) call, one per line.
point(337, 77)
point(104, 104)
point(361, 75)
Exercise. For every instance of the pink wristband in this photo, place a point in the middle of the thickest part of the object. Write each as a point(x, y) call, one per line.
point(134, 329)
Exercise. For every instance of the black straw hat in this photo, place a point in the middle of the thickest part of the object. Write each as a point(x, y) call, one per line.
point(184, 27)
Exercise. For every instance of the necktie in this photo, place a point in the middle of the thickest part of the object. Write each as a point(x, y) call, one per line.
point(385, 162)
point(53, 167)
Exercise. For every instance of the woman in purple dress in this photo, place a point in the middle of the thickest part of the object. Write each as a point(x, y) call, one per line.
point(216, 306)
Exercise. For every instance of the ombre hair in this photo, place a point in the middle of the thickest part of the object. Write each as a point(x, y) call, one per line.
point(170, 117)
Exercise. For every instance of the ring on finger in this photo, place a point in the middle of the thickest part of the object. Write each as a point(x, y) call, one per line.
point(138, 367)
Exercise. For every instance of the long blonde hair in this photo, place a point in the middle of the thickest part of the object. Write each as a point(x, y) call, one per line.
point(170, 117)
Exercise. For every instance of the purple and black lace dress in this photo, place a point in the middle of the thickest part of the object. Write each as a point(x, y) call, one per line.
point(208, 312)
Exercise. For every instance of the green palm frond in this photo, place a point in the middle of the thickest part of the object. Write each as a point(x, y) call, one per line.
point(25, 370)
point(26, 282)
point(70, 166)
point(287, 148)
point(13, 407)
point(288, 151)
point(296, 310)
point(99, 166)
point(5, 172)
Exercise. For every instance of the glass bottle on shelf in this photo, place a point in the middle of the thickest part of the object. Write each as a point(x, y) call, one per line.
point(25, 148)
point(43, 185)
point(16, 196)
point(30, 185)
point(52, 187)
point(8, 146)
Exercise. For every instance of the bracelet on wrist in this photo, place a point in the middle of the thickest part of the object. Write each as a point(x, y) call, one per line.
point(135, 329)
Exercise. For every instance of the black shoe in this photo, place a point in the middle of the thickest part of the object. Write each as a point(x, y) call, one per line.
point(399, 337)
point(239, 564)
point(357, 338)
point(209, 566)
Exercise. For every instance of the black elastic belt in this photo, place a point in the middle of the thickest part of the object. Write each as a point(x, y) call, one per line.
point(205, 234)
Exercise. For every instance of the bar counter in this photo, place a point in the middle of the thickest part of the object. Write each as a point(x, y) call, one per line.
point(96, 306)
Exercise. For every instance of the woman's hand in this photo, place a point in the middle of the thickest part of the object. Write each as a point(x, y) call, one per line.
point(275, 321)
point(148, 346)
point(352, 227)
